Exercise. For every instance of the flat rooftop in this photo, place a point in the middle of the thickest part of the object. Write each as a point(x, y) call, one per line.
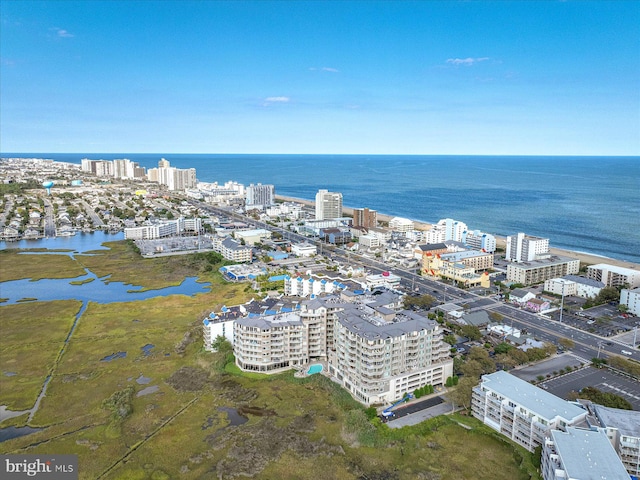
point(532, 398)
point(588, 455)
point(626, 421)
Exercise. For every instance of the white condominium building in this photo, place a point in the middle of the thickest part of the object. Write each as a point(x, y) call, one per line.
point(581, 455)
point(537, 271)
point(613, 276)
point(328, 205)
point(445, 229)
point(380, 354)
point(307, 286)
point(525, 248)
point(402, 225)
point(167, 228)
point(573, 285)
point(479, 240)
point(622, 428)
point(232, 249)
point(260, 196)
point(270, 344)
point(521, 411)
point(631, 298)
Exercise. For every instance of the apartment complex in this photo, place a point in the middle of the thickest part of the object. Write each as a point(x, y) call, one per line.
point(100, 168)
point(260, 196)
point(171, 177)
point(232, 249)
point(270, 344)
point(573, 285)
point(537, 271)
point(162, 229)
point(373, 348)
point(479, 240)
point(580, 454)
point(622, 428)
point(525, 248)
point(328, 205)
point(379, 355)
point(631, 298)
point(445, 229)
point(613, 276)
point(521, 411)
point(363, 217)
point(401, 225)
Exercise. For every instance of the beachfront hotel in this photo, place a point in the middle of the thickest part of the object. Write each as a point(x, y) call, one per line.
point(328, 205)
point(525, 248)
point(613, 276)
point(537, 271)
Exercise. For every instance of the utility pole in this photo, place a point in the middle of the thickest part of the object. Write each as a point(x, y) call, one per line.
point(635, 333)
point(562, 302)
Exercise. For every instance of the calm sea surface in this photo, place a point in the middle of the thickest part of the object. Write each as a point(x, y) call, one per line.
point(589, 204)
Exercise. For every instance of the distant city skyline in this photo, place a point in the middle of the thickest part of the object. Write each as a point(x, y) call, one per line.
point(321, 77)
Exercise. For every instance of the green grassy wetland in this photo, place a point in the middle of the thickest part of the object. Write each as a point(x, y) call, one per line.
point(159, 413)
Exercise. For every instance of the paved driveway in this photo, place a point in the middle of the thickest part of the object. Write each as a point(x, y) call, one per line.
point(415, 413)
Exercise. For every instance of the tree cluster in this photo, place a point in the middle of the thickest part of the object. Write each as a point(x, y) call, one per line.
point(601, 398)
point(422, 391)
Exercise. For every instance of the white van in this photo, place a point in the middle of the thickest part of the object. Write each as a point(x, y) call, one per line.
point(627, 352)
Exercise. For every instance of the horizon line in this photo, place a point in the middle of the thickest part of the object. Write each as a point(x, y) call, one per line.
point(328, 154)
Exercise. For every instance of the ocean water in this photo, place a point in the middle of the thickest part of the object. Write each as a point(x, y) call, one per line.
point(588, 204)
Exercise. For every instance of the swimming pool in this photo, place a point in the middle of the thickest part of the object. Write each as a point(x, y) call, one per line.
point(316, 368)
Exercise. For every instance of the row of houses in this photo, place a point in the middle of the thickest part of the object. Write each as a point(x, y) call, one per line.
point(578, 440)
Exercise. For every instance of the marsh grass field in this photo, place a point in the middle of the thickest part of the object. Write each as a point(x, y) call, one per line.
point(156, 412)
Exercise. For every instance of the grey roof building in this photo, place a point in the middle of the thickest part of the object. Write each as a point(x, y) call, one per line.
point(521, 411)
point(580, 454)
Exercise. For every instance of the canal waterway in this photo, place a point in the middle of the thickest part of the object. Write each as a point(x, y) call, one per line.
point(88, 287)
point(79, 243)
point(85, 288)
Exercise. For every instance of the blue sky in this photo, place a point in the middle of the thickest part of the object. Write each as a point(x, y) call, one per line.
point(419, 77)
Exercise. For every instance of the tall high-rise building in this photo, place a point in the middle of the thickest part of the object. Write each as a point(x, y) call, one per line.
point(328, 205)
point(479, 240)
point(260, 196)
point(525, 248)
point(363, 217)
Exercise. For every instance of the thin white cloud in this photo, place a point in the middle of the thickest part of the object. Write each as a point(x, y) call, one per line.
point(275, 100)
point(325, 69)
point(467, 62)
point(62, 33)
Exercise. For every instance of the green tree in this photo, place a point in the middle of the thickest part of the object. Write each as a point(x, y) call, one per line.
point(471, 332)
point(503, 347)
point(601, 398)
point(450, 339)
point(461, 394)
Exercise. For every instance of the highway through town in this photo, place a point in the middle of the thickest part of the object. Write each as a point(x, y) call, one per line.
point(587, 345)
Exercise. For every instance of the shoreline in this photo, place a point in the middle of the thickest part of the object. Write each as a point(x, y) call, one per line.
point(584, 257)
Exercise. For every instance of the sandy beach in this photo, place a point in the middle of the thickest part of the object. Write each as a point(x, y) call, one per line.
point(586, 258)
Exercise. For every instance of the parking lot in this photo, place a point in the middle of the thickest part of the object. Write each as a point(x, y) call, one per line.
point(601, 379)
point(546, 367)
